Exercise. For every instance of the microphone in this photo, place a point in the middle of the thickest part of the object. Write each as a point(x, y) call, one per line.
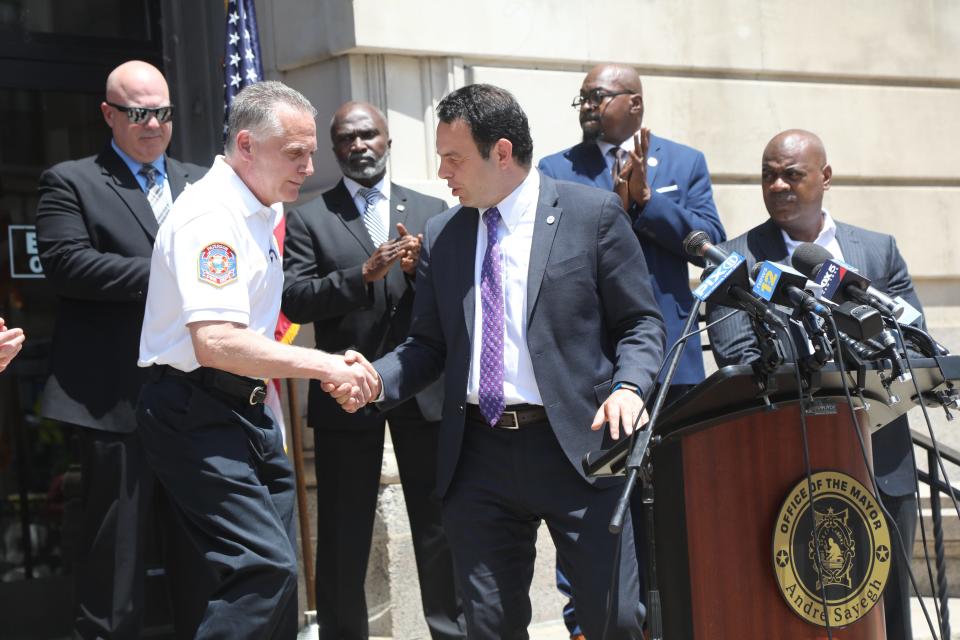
point(728, 285)
point(697, 244)
point(784, 286)
point(839, 280)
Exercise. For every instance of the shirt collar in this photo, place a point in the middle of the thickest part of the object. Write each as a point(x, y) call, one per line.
point(828, 233)
point(250, 204)
point(160, 164)
point(605, 146)
point(383, 186)
point(519, 202)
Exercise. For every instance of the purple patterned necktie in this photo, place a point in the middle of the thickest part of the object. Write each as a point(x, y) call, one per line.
point(492, 402)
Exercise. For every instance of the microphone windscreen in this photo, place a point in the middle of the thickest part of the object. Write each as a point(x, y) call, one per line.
point(693, 243)
point(756, 270)
point(808, 257)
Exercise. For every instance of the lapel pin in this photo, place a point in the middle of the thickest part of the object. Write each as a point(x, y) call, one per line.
point(400, 207)
point(652, 161)
point(551, 219)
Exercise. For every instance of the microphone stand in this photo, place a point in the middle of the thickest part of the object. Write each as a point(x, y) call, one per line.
point(638, 464)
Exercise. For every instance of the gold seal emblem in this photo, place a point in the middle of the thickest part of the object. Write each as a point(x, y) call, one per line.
point(841, 548)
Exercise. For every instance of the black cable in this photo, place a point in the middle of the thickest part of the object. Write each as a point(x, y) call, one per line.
point(926, 417)
point(806, 465)
point(873, 481)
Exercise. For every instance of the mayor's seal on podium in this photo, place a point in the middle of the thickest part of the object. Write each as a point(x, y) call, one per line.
point(840, 549)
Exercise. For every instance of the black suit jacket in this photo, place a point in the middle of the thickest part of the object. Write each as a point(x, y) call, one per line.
point(324, 251)
point(592, 320)
point(95, 231)
point(876, 256)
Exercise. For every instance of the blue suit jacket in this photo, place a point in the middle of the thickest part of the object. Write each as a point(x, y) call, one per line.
point(591, 318)
point(682, 202)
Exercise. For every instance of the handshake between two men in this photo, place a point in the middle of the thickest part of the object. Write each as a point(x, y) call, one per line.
point(359, 384)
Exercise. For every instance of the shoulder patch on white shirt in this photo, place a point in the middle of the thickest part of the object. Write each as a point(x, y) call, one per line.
point(217, 264)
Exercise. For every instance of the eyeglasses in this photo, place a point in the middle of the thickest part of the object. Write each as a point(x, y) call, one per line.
point(142, 115)
point(596, 96)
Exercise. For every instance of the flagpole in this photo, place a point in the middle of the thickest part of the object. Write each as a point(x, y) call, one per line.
point(296, 428)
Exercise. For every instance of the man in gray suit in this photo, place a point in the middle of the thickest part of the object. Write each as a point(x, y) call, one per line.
point(533, 297)
point(795, 173)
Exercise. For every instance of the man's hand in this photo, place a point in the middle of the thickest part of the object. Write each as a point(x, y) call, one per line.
point(11, 341)
point(377, 265)
point(630, 179)
point(411, 251)
point(621, 410)
point(346, 392)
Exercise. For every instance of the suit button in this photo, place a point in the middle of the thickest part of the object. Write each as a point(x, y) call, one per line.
point(393, 309)
point(460, 409)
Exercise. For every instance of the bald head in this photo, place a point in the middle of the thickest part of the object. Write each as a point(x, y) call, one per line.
point(137, 84)
point(794, 175)
point(799, 142)
point(616, 76)
point(361, 142)
point(611, 106)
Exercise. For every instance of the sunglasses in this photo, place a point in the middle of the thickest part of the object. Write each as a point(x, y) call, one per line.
point(142, 115)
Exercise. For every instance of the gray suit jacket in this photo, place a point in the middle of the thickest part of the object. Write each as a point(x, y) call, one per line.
point(592, 318)
point(876, 256)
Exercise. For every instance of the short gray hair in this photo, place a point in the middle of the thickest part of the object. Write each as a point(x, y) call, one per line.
point(255, 109)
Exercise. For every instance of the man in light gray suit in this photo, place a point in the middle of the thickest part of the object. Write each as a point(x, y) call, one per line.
point(795, 173)
point(534, 298)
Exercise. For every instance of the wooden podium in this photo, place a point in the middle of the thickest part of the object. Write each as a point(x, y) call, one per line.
point(727, 461)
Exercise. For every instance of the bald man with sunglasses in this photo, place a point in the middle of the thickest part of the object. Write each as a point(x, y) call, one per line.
point(96, 223)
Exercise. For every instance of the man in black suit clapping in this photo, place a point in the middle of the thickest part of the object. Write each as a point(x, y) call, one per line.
point(350, 268)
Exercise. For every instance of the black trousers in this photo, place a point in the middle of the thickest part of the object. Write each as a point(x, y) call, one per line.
point(348, 480)
point(120, 500)
point(506, 483)
point(899, 590)
point(227, 477)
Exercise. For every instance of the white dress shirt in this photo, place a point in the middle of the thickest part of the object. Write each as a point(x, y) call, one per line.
point(215, 258)
point(515, 235)
point(826, 239)
point(383, 204)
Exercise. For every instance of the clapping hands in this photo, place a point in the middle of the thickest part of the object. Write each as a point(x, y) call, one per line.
point(352, 382)
point(630, 178)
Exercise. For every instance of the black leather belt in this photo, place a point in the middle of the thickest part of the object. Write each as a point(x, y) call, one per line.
point(237, 387)
point(514, 416)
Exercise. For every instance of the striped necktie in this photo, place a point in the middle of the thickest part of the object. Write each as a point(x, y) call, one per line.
point(372, 219)
point(155, 193)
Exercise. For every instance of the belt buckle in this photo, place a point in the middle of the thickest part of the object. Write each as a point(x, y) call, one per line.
point(258, 395)
point(516, 419)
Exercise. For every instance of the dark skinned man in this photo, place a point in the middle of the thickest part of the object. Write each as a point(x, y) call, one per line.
point(666, 190)
point(794, 175)
point(356, 283)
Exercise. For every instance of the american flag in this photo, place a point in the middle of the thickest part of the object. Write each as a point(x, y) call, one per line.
point(242, 65)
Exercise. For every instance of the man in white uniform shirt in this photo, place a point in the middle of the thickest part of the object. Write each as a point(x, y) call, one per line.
point(214, 296)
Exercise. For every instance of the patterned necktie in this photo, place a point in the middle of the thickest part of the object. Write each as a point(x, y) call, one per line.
point(492, 402)
point(372, 219)
point(155, 195)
